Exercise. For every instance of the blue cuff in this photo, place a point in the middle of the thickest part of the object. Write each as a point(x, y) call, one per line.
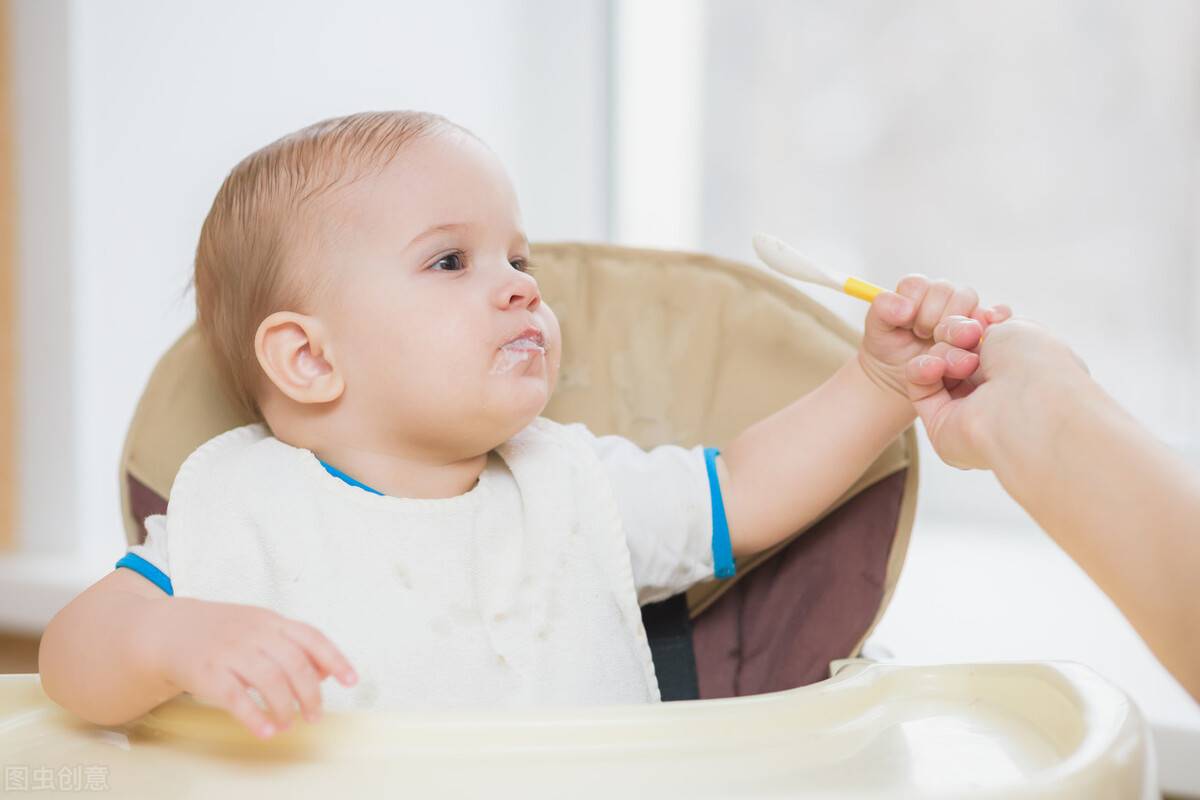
point(147, 570)
point(724, 565)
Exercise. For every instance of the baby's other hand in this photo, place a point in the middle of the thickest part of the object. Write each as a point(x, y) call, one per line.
point(900, 327)
point(217, 651)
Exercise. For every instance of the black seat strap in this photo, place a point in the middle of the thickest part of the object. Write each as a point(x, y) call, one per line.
point(669, 629)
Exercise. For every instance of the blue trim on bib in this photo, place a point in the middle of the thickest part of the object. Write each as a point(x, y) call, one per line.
point(147, 570)
point(337, 473)
point(725, 566)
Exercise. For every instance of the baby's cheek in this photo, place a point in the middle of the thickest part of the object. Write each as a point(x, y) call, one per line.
point(553, 364)
point(415, 374)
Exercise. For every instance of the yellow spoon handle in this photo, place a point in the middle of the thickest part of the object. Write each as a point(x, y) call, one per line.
point(861, 289)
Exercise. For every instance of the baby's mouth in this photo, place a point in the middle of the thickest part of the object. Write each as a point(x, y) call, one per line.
point(524, 344)
point(524, 347)
point(528, 339)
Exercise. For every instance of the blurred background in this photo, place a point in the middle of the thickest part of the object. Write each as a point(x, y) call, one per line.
point(1044, 152)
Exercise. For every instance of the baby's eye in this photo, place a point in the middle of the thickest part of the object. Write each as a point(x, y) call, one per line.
point(452, 261)
point(521, 265)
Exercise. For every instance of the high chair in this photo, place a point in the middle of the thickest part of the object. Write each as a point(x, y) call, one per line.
point(660, 347)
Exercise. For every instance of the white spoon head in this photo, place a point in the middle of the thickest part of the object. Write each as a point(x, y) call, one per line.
point(783, 258)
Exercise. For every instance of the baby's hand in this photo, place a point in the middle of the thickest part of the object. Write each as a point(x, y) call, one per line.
point(216, 651)
point(900, 327)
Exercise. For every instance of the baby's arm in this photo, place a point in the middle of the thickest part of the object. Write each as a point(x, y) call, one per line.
point(94, 657)
point(783, 471)
point(123, 647)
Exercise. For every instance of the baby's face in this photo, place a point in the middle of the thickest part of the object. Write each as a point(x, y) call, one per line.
point(443, 339)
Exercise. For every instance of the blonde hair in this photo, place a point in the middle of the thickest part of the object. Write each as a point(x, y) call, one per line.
point(259, 216)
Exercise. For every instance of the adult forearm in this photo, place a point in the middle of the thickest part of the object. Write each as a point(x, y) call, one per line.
point(1123, 505)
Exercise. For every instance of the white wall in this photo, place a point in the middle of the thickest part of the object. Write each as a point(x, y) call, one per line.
point(47, 396)
point(132, 111)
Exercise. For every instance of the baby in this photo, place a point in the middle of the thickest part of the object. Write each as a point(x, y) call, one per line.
point(403, 519)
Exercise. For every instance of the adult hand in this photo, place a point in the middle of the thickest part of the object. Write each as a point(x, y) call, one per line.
point(1118, 501)
point(1022, 370)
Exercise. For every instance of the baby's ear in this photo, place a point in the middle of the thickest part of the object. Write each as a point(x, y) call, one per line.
point(295, 352)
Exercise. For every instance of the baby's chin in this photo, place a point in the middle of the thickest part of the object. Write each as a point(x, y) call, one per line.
point(526, 405)
point(512, 408)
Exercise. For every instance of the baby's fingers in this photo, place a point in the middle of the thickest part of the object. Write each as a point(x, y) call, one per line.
point(960, 364)
point(260, 671)
point(963, 302)
point(991, 316)
point(958, 331)
point(926, 387)
point(322, 651)
point(301, 674)
point(924, 375)
point(889, 311)
point(928, 373)
point(998, 314)
point(229, 692)
point(934, 307)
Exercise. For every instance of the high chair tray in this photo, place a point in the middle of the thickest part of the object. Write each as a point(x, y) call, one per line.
point(1022, 730)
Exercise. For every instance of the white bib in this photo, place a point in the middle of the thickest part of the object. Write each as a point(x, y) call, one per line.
point(519, 592)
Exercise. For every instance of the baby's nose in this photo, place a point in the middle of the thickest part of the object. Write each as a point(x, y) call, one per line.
point(520, 290)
